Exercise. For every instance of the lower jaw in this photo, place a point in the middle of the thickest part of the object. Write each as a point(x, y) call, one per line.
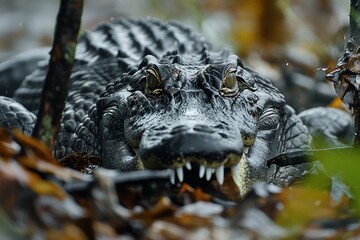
point(236, 183)
point(240, 174)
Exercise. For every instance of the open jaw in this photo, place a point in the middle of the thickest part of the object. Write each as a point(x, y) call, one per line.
point(198, 168)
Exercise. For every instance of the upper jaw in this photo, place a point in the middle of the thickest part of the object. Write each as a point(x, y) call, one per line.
point(204, 171)
point(203, 151)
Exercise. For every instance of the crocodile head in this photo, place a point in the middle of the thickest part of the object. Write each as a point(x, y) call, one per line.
point(208, 117)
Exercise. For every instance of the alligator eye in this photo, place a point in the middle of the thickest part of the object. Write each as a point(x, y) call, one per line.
point(229, 85)
point(153, 82)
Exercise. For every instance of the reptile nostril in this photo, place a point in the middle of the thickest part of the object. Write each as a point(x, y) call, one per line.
point(223, 135)
point(179, 129)
point(160, 128)
point(203, 128)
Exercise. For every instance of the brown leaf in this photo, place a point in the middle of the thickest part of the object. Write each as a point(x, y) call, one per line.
point(33, 146)
point(162, 209)
point(64, 174)
point(14, 171)
point(43, 187)
point(67, 232)
point(191, 221)
point(164, 230)
point(195, 194)
point(104, 230)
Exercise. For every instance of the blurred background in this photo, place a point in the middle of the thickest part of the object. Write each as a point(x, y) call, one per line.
point(284, 40)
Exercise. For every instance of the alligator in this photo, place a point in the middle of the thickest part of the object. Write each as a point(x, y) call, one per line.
point(150, 94)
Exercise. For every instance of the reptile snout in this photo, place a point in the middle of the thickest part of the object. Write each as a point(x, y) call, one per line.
point(186, 145)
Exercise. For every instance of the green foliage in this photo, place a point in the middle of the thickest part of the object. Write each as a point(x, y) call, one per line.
point(341, 165)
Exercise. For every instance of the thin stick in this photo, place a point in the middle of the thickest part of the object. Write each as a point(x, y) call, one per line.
point(355, 38)
point(60, 66)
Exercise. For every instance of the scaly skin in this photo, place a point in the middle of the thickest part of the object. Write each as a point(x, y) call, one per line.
point(152, 94)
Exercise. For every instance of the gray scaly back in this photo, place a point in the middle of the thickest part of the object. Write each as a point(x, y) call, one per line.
point(104, 55)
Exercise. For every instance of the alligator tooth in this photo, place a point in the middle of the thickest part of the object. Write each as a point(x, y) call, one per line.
point(180, 174)
point(188, 165)
point(201, 171)
point(235, 171)
point(246, 150)
point(208, 173)
point(220, 174)
point(172, 176)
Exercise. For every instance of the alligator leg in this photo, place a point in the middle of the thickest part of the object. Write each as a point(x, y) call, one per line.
point(294, 137)
point(329, 127)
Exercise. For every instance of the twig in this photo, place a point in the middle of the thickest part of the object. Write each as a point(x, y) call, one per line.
point(347, 72)
point(60, 66)
point(302, 156)
point(355, 38)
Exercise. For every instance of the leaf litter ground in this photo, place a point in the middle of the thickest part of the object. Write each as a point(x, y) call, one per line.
point(40, 199)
